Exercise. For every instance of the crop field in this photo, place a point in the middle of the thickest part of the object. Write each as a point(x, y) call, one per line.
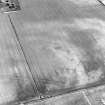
point(50, 49)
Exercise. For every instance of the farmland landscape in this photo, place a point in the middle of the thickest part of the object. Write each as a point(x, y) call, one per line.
point(53, 51)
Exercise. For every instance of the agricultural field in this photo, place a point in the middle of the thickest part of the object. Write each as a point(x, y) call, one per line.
point(52, 52)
